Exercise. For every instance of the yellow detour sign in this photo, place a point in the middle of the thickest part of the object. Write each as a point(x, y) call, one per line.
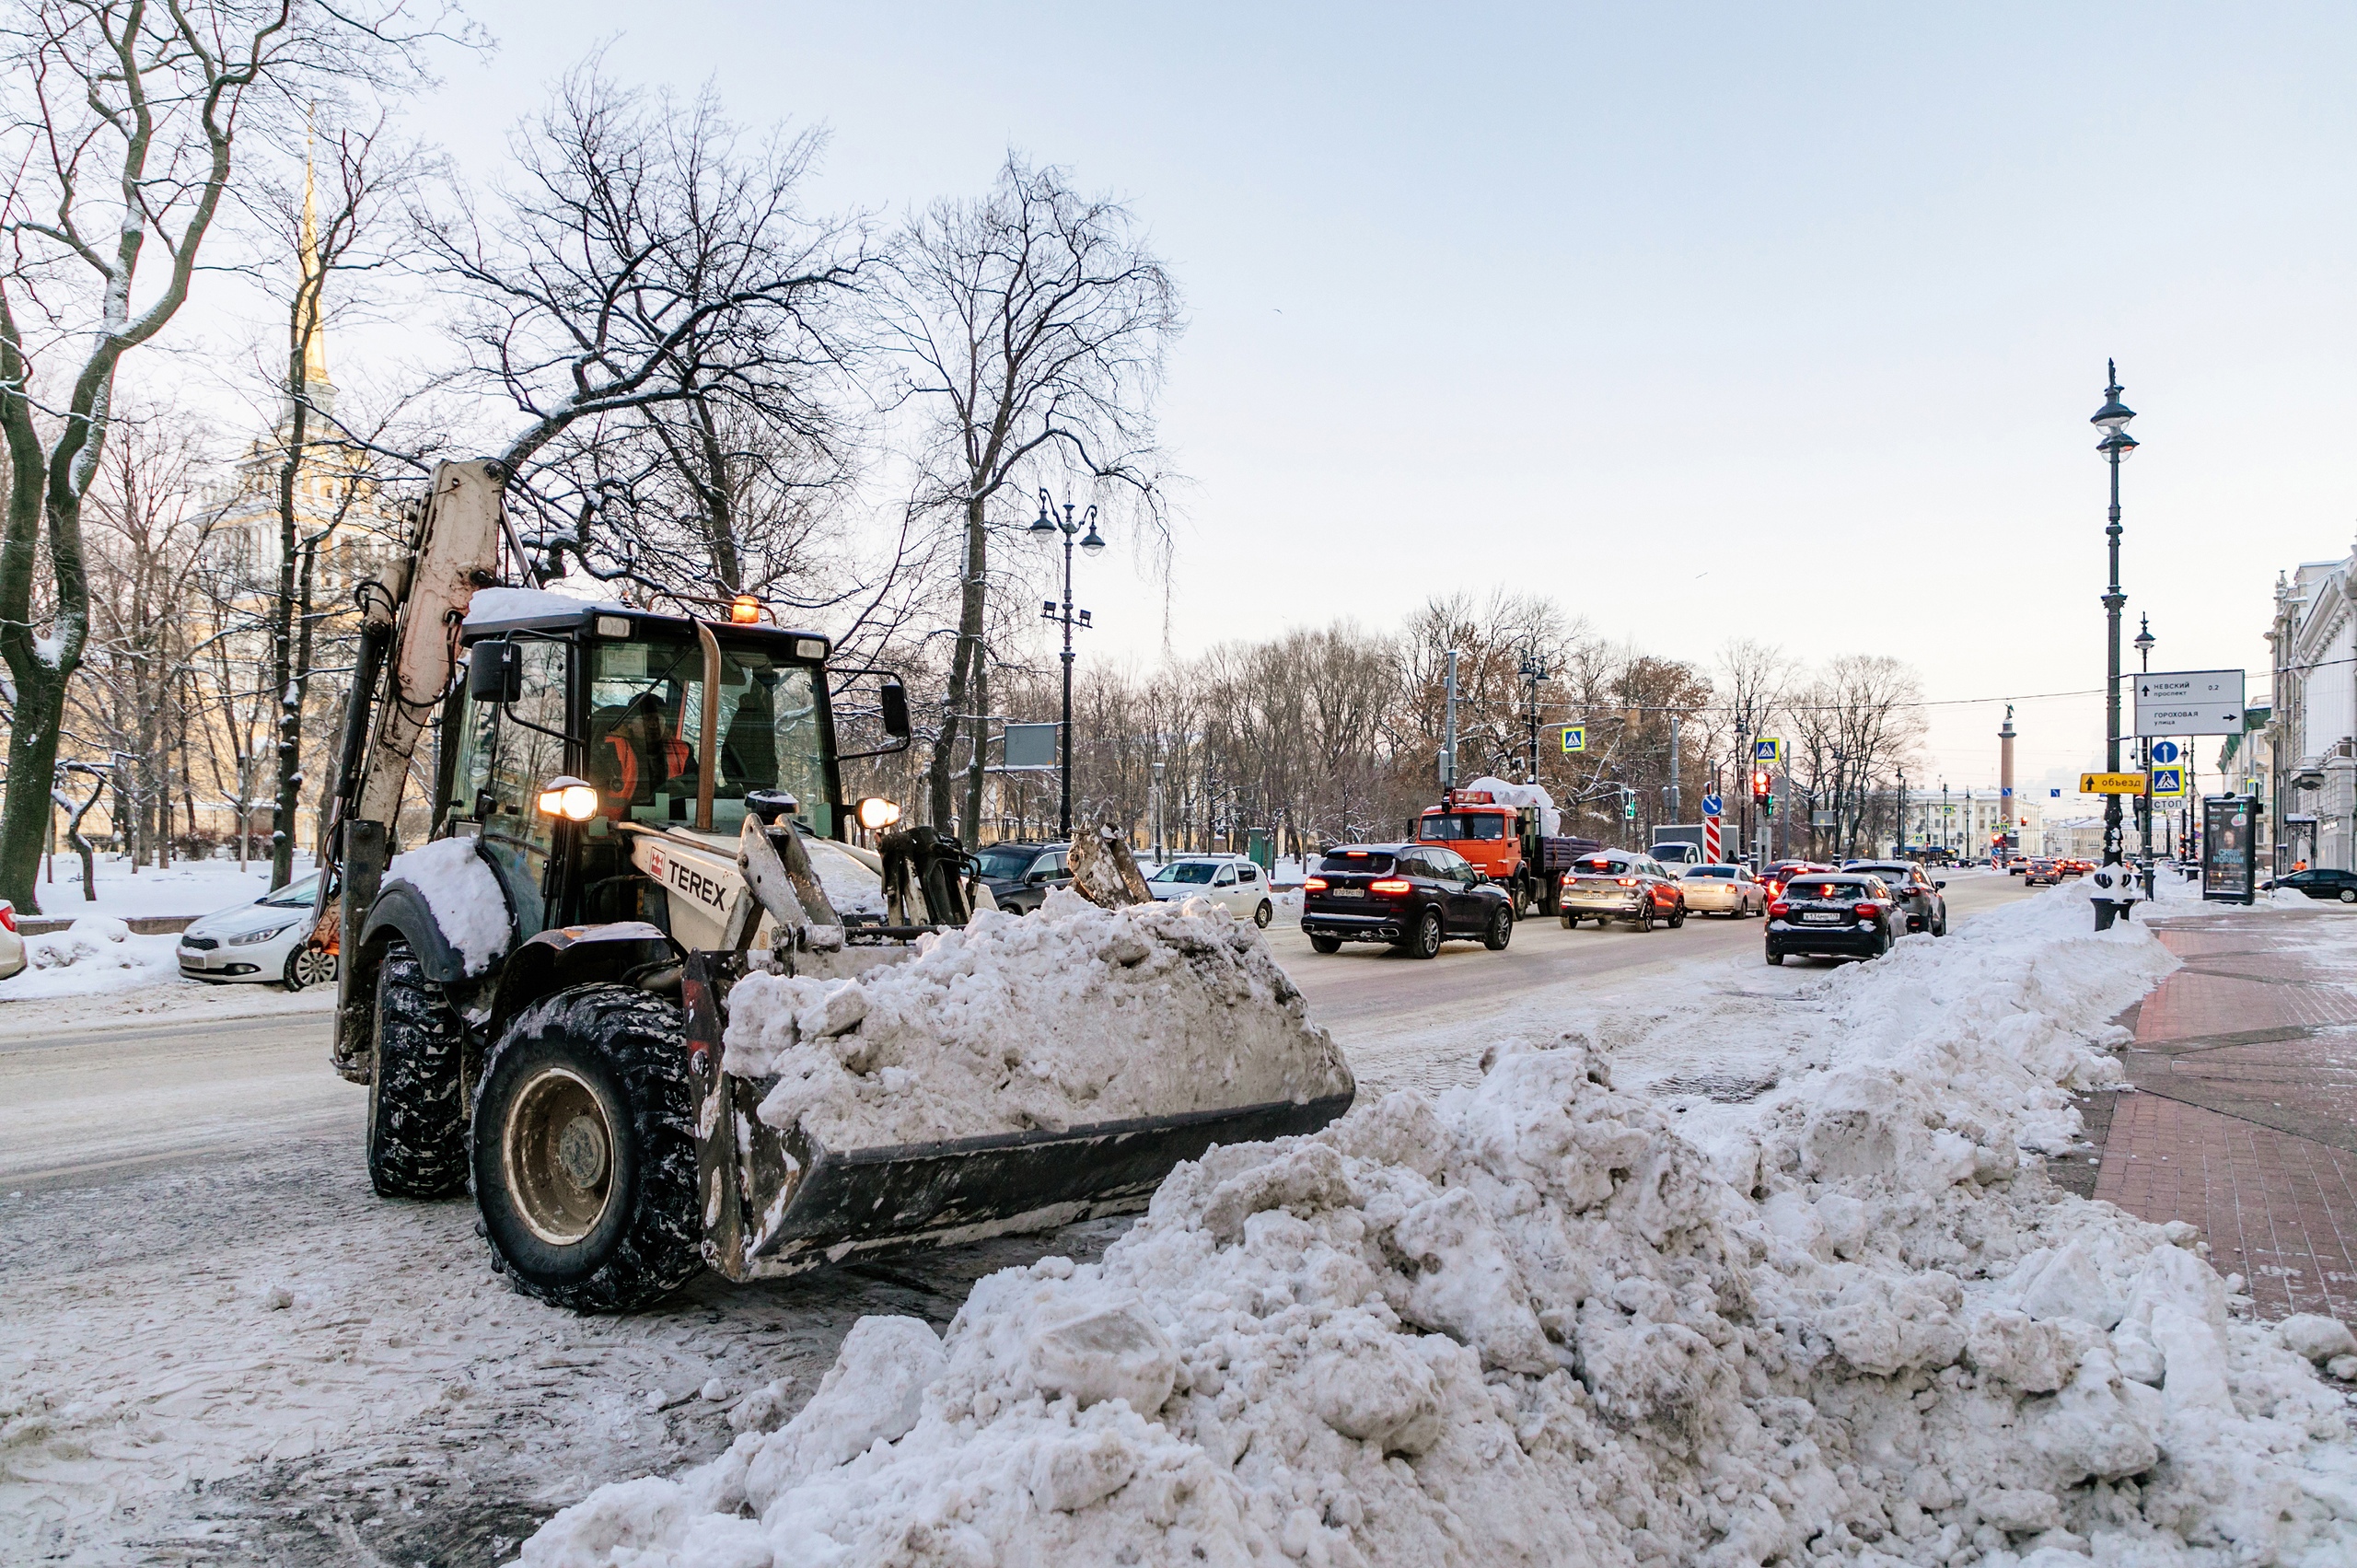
point(2112, 783)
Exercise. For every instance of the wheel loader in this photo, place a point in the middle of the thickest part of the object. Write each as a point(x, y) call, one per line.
point(631, 812)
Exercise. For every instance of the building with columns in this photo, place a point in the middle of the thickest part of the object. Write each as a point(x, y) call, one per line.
point(1967, 819)
point(2308, 744)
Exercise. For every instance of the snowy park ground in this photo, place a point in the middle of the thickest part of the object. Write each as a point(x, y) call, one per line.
point(1790, 1285)
point(99, 970)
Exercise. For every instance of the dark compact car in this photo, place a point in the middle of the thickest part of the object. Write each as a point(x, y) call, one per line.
point(1919, 896)
point(2319, 882)
point(1019, 876)
point(1833, 915)
point(2042, 872)
point(1413, 896)
point(1615, 884)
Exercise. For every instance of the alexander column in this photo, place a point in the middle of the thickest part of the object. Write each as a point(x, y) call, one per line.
point(2005, 777)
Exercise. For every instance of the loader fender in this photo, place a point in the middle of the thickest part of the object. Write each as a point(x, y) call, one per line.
point(401, 910)
point(398, 917)
point(631, 951)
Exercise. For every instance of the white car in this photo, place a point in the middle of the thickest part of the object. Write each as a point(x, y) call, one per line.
point(1230, 881)
point(12, 944)
point(261, 941)
point(1723, 889)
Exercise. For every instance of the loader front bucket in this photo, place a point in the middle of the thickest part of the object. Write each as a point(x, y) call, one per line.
point(780, 1202)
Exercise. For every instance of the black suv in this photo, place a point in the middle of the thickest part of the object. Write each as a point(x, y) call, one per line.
point(1834, 914)
point(2318, 882)
point(1413, 896)
point(1918, 894)
point(1019, 876)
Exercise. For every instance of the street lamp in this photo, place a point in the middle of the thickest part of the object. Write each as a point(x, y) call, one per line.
point(1048, 523)
point(2117, 443)
point(2143, 645)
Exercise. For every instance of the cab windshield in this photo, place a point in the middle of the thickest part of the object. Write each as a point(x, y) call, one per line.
point(1440, 827)
point(646, 720)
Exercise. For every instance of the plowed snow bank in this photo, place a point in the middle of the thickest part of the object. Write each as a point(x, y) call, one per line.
point(1531, 1321)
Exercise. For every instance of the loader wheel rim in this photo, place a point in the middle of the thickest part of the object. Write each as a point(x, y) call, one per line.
point(557, 1147)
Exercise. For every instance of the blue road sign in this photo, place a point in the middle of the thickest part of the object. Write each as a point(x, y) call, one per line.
point(2168, 783)
point(2165, 751)
point(1710, 804)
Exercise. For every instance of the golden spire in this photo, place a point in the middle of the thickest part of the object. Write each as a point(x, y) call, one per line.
point(315, 336)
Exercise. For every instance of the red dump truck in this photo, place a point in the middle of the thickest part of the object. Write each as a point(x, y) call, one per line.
point(1505, 840)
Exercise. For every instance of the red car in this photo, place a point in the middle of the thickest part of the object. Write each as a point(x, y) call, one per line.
point(1774, 877)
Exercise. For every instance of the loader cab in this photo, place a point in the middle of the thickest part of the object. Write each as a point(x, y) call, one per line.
point(616, 698)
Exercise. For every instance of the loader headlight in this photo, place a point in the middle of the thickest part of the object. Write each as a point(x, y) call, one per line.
point(570, 799)
point(876, 812)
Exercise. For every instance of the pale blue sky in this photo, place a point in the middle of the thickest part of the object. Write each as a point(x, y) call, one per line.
point(1596, 301)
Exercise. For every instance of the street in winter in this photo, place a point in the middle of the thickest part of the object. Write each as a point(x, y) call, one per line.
point(1631, 902)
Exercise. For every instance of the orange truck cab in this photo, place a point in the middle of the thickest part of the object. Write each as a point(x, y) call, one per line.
point(1502, 840)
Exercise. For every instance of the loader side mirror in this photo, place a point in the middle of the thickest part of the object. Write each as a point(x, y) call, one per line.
point(496, 672)
point(895, 698)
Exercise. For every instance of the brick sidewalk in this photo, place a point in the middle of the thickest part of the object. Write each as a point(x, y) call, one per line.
point(2246, 1124)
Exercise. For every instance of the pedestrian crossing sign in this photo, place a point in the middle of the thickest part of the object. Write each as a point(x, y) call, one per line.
point(1764, 751)
point(1574, 737)
point(2168, 783)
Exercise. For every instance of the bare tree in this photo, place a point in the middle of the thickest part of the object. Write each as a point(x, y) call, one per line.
point(122, 122)
point(321, 475)
point(1033, 323)
point(149, 528)
point(645, 257)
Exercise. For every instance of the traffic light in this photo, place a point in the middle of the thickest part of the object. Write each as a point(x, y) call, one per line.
point(1768, 805)
point(1760, 783)
point(1628, 804)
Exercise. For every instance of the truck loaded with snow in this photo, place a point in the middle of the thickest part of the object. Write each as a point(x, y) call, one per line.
point(641, 989)
point(1511, 833)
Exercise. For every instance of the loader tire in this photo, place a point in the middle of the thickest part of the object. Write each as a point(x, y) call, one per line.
point(585, 1152)
point(417, 1104)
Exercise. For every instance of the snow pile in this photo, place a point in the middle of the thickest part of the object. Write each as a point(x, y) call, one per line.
point(1518, 794)
point(1531, 1321)
point(462, 891)
point(97, 954)
point(98, 940)
point(1074, 1014)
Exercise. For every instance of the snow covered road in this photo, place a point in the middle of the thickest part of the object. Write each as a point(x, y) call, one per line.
point(215, 1345)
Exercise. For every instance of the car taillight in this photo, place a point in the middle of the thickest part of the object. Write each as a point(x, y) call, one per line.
point(1780, 909)
point(1868, 909)
point(8, 914)
point(1314, 885)
point(1626, 881)
point(1391, 885)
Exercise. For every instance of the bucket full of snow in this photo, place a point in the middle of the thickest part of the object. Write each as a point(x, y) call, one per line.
point(1019, 1074)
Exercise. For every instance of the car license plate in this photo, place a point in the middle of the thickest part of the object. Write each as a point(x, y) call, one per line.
point(1347, 893)
point(1819, 918)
